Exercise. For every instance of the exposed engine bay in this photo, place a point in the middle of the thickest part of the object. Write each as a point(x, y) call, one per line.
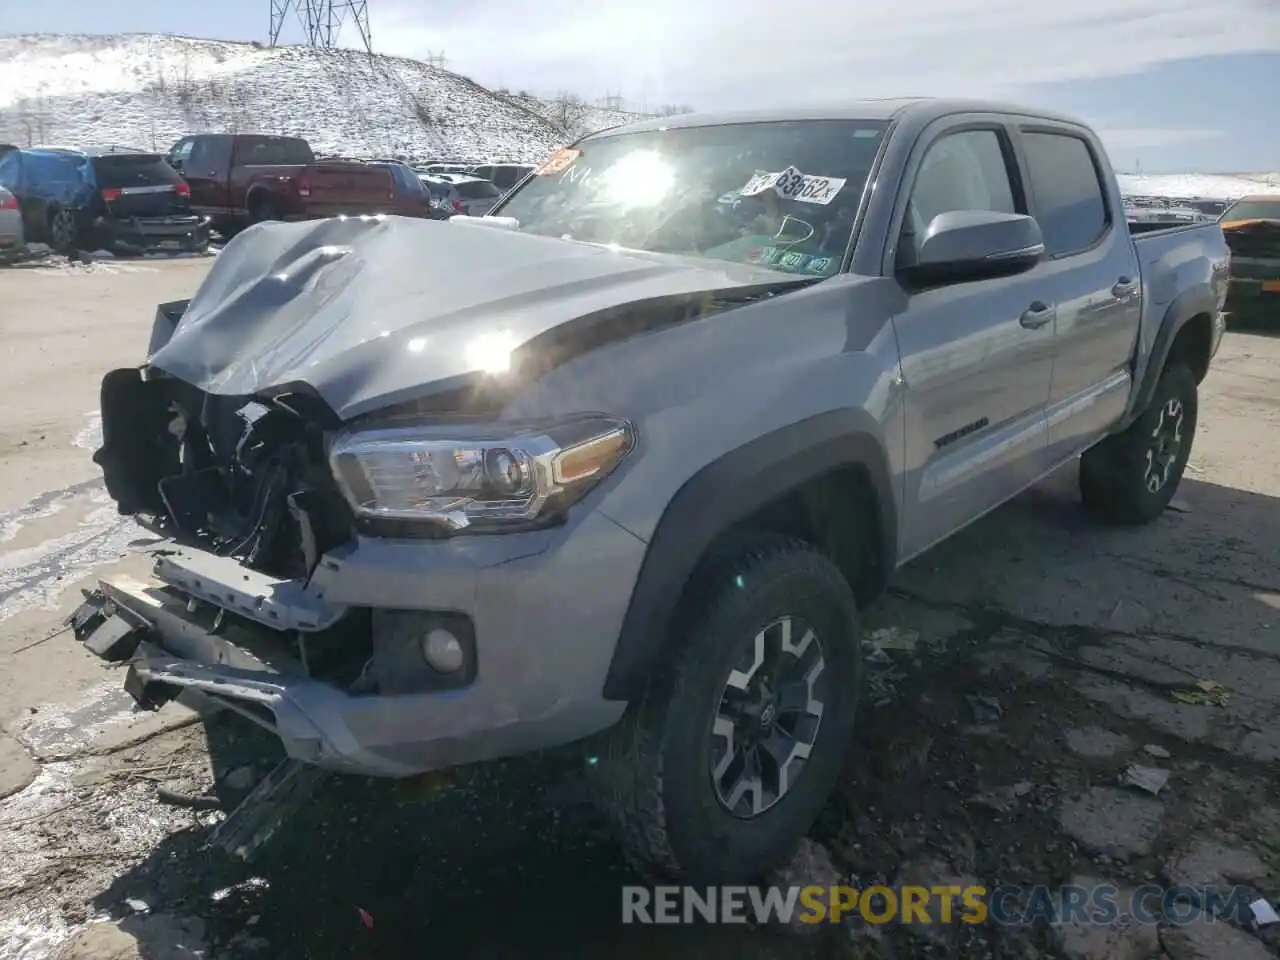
point(237, 476)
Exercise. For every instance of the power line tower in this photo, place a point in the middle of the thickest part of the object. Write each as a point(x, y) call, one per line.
point(437, 60)
point(322, 20)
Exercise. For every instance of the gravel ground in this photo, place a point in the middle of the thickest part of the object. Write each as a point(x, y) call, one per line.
point(1018, 670)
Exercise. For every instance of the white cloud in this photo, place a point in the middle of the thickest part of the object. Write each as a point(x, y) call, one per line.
point(726, 52)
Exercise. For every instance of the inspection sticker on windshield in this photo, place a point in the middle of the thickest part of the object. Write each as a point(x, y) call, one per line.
point(558, 162)
point(791, 184)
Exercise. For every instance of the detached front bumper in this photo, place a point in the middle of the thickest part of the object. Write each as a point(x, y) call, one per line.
point(540, 613)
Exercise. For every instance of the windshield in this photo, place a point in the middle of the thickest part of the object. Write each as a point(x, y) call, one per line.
point(778, 194)
point(1253, 210)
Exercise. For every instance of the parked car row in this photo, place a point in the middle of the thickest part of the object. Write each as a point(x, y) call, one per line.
point(115, 197)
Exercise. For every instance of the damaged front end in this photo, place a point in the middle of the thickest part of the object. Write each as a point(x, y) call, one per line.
point(243, 489)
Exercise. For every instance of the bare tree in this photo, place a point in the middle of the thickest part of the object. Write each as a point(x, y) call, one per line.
point(674, 109)
point(185, 85)
point(568, 111)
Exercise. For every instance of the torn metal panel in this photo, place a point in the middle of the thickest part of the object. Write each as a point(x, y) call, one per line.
point(276, 602)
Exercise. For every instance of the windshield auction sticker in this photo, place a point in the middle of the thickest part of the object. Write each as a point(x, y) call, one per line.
point(558, 162)
point(791, 184)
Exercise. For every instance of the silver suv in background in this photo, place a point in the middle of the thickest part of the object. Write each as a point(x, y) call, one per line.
point(459, 194)
point(504, 176)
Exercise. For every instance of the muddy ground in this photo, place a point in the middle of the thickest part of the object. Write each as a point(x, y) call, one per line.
point(1018, 670)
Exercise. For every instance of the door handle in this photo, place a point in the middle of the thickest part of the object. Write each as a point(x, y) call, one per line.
point(1124, 287)
point(1036, 315)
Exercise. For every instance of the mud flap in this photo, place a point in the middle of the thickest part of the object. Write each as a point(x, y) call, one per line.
point(260, 814)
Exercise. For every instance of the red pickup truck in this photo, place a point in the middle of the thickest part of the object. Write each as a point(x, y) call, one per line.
point(238, 179)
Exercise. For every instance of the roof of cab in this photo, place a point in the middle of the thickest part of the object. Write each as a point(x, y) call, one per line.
point(922, 110)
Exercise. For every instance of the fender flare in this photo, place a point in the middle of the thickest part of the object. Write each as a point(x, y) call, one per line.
point(1186, 305)
point(723, 493)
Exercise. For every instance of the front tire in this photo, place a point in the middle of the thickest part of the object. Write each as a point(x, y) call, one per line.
point(721, 768)
point(1130, 478)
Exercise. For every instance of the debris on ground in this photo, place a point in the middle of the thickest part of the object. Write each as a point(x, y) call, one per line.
point(1203, 693)
point(1263, 913)
point(1157, 751)
point(1148, 779)
point(894, 638)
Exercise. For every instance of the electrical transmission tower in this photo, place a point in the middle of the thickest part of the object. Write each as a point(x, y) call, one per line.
point(322, 20)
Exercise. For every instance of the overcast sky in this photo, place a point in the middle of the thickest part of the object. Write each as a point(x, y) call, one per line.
point(1172, 84)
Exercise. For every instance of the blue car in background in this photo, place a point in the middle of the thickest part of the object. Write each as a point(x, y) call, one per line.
point(114, 199)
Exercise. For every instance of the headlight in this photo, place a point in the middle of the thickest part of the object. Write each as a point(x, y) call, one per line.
point(458, 476)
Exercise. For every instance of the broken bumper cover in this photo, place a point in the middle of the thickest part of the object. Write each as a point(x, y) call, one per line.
point(545, 608)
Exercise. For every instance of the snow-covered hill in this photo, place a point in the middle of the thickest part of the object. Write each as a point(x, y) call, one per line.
point(1209, 186)
point(149, 90)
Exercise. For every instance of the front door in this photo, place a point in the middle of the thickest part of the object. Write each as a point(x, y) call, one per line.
point(977, 356)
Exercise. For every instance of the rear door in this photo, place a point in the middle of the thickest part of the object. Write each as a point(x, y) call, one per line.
point(478, 196)
point(140, 185)
point(977, 356)
point(1091, 273)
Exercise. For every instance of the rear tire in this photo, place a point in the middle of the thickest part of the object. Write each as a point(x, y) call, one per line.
point(64, 231)
point(677, 779)
point(263, 209)
point(1129, 478)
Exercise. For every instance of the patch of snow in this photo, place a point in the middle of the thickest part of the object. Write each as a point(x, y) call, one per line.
point(148, 91)
point(35, 577)
point(1207, 186)
point(90, 436)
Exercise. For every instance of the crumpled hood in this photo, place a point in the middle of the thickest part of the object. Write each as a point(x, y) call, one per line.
point(371, 312)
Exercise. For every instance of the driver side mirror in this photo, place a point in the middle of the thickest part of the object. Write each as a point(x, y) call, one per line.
point(965, 245)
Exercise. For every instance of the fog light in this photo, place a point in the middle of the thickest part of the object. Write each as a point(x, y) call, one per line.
point(443, 651)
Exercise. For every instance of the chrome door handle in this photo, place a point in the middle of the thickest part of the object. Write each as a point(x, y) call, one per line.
point(1124, 287)
point(1036, 315)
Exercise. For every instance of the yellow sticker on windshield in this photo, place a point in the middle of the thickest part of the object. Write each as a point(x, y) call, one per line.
point(559, 161)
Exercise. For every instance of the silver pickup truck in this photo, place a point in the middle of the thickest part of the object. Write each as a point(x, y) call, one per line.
point(622, 462)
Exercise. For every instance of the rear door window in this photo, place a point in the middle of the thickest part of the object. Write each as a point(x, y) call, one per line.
point(1070, 204)
point(272, 150)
